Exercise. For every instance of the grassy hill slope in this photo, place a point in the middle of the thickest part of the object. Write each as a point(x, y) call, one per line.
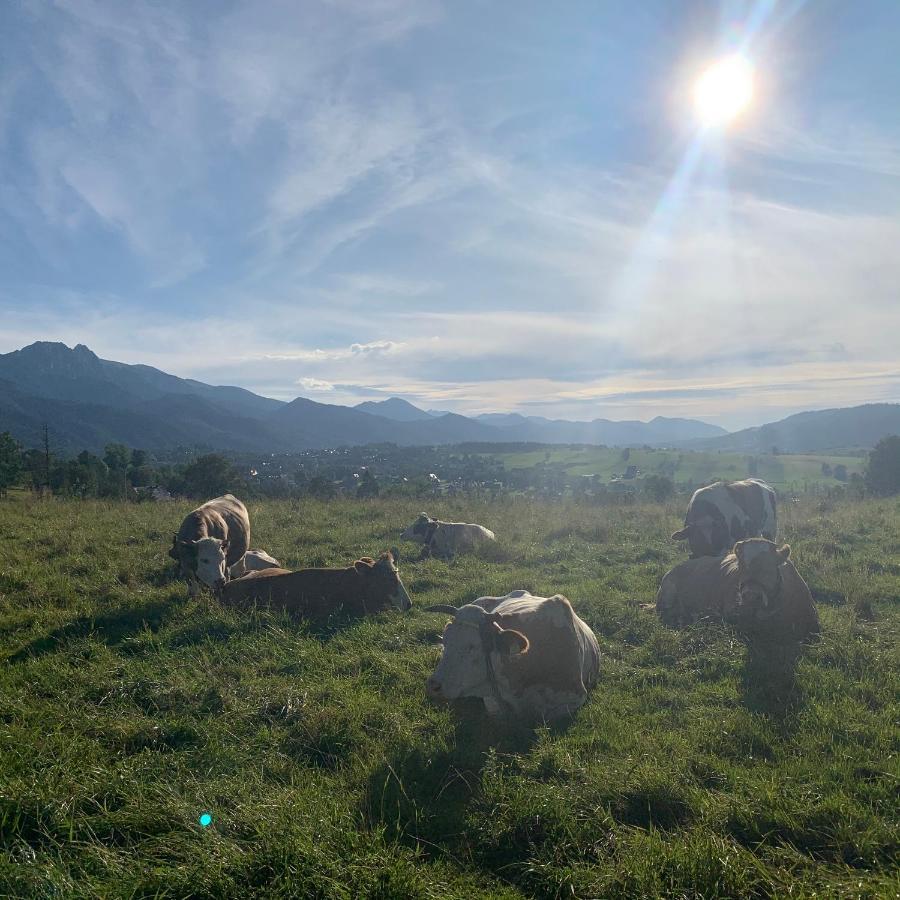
point(127, 710)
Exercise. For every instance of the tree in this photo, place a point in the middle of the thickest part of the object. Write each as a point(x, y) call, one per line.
point(209, 476)
point(11, 463)
point(883, 469)
point(368, 486)
point(826, 470)
point(840, 472)
point(321, 488)
point(35, 465)
point(117, 457)
point(658, 487)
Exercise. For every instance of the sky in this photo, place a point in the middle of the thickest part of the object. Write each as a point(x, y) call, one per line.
point(477, 205)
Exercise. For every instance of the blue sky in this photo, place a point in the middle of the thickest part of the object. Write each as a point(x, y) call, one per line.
point(475, 205)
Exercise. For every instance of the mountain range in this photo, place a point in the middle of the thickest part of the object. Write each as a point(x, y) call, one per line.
point(88, 402)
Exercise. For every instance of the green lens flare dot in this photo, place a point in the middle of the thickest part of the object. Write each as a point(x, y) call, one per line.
point(206, 820)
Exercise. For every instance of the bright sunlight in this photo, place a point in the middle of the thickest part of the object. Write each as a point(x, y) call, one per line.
point(724, 91)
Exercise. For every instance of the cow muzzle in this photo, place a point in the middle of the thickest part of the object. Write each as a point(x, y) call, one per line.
point(400, 600)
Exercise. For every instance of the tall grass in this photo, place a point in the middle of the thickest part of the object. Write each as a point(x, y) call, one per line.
point(127, 710)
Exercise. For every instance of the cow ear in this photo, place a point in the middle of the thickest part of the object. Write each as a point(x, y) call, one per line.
point(681, 535)
point(364, 565)
point(395, 555)
point(507, 641)
point(225, 546)
point(784, 552)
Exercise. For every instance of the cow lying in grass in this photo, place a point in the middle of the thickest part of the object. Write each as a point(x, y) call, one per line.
point(368, 586)
point(445, 539)
point(211, 538)
point(756, 588)
point(531, 656)
point(723, 513)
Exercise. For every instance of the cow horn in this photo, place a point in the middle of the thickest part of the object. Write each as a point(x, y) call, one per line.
point(442, 608)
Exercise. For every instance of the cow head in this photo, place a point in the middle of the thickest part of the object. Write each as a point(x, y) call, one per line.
point(185, 555)
point(759, 577)
point(700, 535)
point(421, 530)
point(470, 642)
point(210, 555)
point(383, 579)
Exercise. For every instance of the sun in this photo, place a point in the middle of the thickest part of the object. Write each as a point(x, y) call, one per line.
point(724, 91)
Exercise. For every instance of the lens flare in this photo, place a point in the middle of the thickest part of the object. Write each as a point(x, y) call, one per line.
point(205, 820)
point(724, 91)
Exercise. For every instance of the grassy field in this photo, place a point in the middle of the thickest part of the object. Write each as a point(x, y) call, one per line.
point(700, 467)
point(127, 710)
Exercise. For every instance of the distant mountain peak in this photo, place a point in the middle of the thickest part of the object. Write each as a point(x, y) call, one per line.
point(395, 408)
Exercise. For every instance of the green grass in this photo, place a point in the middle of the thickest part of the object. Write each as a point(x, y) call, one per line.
point(697, 466)
point(127, 710)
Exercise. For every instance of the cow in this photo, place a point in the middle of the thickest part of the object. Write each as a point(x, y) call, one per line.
point(774, 604)
point(445, 539)
point(755, 588)
point(723, 513)
point(367, 587)
point(212, 538)
point(252, 561)
point(528, 656)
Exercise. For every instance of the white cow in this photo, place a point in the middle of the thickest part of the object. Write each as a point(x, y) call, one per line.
point(253, 561)
point(445, 539)
point(531, 656)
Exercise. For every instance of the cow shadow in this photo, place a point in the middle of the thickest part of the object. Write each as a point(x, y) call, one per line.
point(112, 628)
point(769, 679)
point(420, 795)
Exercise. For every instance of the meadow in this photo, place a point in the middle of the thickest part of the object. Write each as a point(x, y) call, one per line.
point(694, 770)
point(794, 471)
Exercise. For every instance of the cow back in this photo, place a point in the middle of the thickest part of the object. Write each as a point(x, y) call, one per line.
point(697, 589)
point(311, 593)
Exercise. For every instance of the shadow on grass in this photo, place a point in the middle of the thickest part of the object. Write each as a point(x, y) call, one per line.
point(112, 628)
point(769, 679)
point(421, 795)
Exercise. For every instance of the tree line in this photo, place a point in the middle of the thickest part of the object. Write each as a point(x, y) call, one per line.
point(124, 472)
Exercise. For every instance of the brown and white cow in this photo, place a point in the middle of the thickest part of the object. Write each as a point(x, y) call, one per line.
point(525, 655)
point(723, 513)
point(367, 587)
point(756, 588)
point(212, 538)
point(445, 539)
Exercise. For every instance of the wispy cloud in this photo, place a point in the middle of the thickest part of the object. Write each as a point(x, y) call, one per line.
point(356, 199)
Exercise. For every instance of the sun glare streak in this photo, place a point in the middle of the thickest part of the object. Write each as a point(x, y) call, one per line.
point(724, 91)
